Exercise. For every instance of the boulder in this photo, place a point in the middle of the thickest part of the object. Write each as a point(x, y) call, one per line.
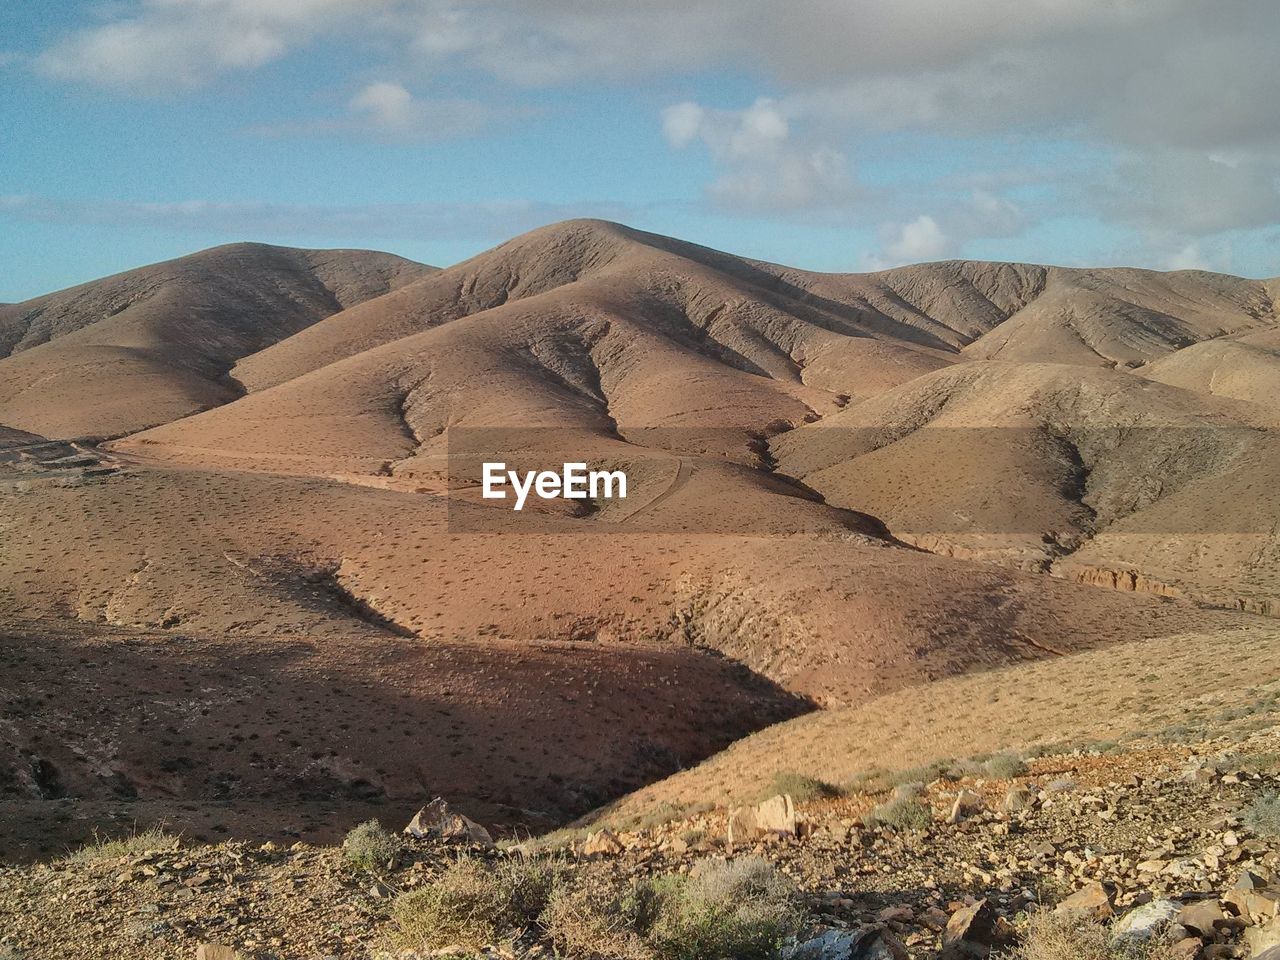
point(1018, 798)
point(967, 802)
point(774, 817)
point(866, 943)
point(603, 843)
point(1146, 922)
point(1264, 937)
point(1204, 917)
point(1091, 900)
point(1253, 896)
point(974, 931)
point(437, 820)
point(214, 951)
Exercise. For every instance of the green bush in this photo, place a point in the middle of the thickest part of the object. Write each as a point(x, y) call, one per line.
point(473, 903)
point(370, 846)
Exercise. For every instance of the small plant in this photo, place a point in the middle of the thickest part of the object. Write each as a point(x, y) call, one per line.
point(136, 844)
point(1003, 766)
point(1057, 936)
point(473, 904)
point(741, 908)
point(595, 919)
point(370, 846)
point(903, 813)
point(1263, 816)
point(1261, 762)
point(799, 787)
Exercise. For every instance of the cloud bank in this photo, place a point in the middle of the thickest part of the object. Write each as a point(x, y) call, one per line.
point(1173, 99)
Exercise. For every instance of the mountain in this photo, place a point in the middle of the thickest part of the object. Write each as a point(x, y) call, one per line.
point(258, 471)
point(155, 344)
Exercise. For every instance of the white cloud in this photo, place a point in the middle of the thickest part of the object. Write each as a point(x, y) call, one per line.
point(763, 168)
point(1174, 98)
point(387, 105)
point(389, 111)
point(915, 241)
point(187, 42)
point(1188, 258)
point(682, 123)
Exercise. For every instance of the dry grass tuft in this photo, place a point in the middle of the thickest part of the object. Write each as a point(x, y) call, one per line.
point(473, 904)
point(1056, 936)
point(741, 908)
point(798, 786)
point(136, 844)
point(1263, 816)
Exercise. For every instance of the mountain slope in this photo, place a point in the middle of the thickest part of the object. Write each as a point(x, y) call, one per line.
point(155, 344)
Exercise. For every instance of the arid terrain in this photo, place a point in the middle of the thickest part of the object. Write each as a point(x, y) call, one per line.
point(250, 590)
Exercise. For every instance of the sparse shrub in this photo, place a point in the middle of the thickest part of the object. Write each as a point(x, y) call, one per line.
point(1003, 766)
point(137, 843)
point(966, 768)
point(1262, 762)
point(873, 780)
point(903, 813)
point(1044, 750)
point(473, 903)
point(800, 787)
point(1263, 816)
point(595, 919)
point(1058, 936)
point(370, 846)
point(740, 908)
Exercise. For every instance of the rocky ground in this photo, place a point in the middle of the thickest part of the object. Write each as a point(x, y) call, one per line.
point(1180, 837)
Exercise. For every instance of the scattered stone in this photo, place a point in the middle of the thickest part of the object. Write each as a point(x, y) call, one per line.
point(775, 816)
point(603, 843)
point(1204, 917)
point(436, 819)
point(213, 951)
point(974, 931)
point(1145, 922)
point(1092, 900)
point(967, 802)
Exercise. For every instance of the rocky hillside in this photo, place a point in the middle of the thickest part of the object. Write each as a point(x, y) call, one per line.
point(1158, 850)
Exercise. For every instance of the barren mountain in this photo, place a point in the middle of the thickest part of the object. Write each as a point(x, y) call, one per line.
point(154, 344)
point(841, 486)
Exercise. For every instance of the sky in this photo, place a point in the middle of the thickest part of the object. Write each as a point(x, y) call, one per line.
point(840, 135)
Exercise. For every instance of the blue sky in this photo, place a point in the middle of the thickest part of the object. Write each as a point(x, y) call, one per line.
point(827, 134)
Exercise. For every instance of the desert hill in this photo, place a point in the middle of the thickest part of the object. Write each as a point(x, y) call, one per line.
point(151, 345)
point(843, 485)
